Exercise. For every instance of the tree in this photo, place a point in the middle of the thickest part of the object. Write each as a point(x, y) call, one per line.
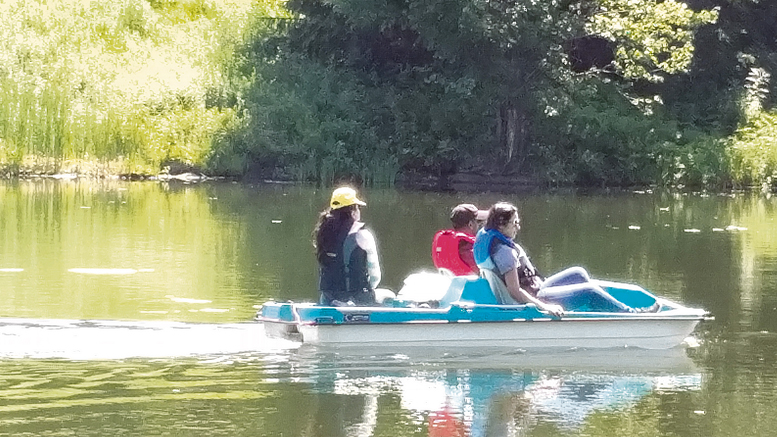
point(447, 84)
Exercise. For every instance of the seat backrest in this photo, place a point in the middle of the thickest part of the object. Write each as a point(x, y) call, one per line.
point(470, 289)
point(424, 287)
point(498, 287)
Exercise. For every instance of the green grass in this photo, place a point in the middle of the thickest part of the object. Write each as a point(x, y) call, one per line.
point(753, 151)
point(120, 81)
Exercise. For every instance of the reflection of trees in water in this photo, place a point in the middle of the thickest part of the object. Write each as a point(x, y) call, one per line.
point(276, 259)
point(498, 403)
point(166, 231)
point(510, 414)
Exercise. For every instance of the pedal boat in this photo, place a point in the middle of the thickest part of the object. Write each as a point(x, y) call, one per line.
point(468, 315)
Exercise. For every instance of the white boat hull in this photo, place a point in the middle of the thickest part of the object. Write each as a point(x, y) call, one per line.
point(468, 316)
point(640, 331)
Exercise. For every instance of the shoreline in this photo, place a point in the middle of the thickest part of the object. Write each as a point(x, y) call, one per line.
point(463, 182)
point(413, 181)
point(458, 183)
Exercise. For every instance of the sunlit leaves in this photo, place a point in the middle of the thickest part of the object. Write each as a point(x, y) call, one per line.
point(756, 91)
point(654, 37)
point(753, 151)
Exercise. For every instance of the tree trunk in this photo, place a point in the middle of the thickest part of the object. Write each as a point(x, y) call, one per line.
point(512, 134)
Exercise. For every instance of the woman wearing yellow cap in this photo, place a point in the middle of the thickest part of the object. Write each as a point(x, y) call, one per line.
point(347, 253)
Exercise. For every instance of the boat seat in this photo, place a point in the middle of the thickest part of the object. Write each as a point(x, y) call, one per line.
point(470, 289)
point(500, 291)
point(384, 296)
point(424, 287)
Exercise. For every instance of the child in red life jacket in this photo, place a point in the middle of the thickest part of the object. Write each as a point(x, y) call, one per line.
point(452, 248)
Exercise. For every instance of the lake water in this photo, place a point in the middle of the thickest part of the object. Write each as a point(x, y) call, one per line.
point(127, 310)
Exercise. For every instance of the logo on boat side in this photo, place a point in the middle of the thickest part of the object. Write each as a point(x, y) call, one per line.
point(357, 318)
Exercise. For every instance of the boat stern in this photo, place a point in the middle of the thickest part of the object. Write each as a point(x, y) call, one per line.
point(279, 320)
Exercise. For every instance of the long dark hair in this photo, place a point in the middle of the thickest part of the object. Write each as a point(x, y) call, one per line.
point(500, 214)
point(331, 226)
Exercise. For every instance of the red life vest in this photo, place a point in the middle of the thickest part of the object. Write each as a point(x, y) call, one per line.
point(445, 251)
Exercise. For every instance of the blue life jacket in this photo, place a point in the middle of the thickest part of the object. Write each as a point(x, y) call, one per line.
point(527, 276)
point(482, 248)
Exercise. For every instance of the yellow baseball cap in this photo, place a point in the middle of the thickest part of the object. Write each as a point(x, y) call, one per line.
point(344, 196)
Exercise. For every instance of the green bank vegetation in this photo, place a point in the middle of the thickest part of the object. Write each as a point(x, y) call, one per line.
point(583, 92)
point(118, 85)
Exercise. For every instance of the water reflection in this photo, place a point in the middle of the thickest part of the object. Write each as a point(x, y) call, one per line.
point(147, 378)
point(115, 250)
point(123, 303)
point(121, 367)
point(489, 393)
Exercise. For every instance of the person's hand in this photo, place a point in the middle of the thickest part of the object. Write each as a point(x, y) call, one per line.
point(553, 309)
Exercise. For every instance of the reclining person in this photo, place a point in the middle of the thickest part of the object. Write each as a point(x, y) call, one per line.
point(497, 253)
point(452, 248)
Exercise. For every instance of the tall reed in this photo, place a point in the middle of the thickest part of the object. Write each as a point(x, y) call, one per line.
point(117, 80)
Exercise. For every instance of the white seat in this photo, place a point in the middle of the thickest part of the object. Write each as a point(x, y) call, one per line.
point(384, 294)
point(424, 287)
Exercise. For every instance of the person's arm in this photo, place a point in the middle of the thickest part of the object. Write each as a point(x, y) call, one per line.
point(366, 241)
point(521, 295)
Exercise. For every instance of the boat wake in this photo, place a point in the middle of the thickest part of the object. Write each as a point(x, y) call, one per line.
point(118, 340)
point(111, 340)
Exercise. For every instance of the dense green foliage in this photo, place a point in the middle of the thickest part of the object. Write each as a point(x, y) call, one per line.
point(439, 87)
point(366, 87)
point(592, 92)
